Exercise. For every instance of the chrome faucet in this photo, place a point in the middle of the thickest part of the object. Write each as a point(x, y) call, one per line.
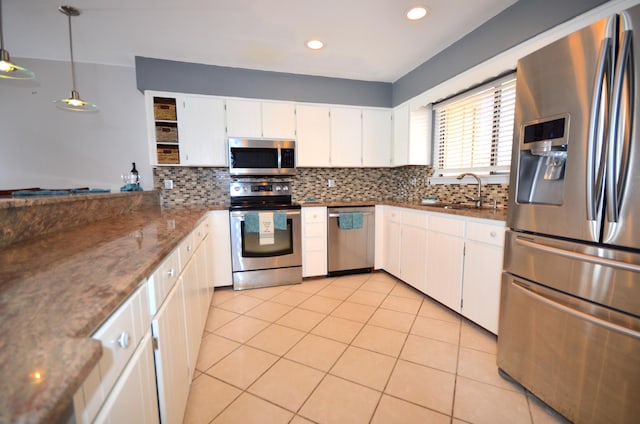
point(478, 199)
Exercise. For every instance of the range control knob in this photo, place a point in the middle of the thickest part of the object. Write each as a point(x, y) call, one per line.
point(278, 188)
point(285, 188)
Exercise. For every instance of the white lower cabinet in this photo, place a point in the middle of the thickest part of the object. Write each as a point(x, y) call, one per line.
point(314, 241)
point(134, 398)
point(453, 259)
point(171, 356)
point(220, 245)
point(482, 273)
point(151, 342)
point(123, 365)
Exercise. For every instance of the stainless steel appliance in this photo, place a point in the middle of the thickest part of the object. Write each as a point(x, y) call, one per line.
point(570, 302)
point(264, 252)
point(261, 157)
point(351, 248)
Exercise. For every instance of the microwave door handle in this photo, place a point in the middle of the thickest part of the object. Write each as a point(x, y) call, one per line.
point(597, 129)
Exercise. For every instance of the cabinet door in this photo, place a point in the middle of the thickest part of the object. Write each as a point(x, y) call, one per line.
point(171, 358)
point(202, 131)
point(314, 241)
point(190, 296)
point(401, 135)
point(481, 285)
point(392, 237)
point(413, 256)
point(278, 120)
point(220, 248)
point(444, 269)
point(346, 137)
point(314, 135)
point(244, 118)
point(376, 137)
point(134, 398)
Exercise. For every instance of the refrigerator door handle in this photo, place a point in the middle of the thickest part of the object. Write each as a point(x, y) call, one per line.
point(596, 153)
point(579, 314)
point(577, 255)
point(620, 128)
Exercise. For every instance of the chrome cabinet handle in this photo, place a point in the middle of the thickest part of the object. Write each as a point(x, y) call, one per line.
point(171, 272)
point(123, 340)
point(189, 248)
point(493, 234)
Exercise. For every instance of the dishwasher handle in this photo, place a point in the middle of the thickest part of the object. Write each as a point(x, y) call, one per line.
point(337, 215)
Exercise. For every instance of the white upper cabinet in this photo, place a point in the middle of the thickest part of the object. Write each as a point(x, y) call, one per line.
point(401, 135)
point(244, 118)
point(278, 120)
point(411, 135)
point(376, 137)
point(314, 135)
point(346, 137)
point(253, 118)
point(202, 131)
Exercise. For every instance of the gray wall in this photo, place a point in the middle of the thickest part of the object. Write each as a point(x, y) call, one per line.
point(181, 77)
point(523, 20)
point(42, 146)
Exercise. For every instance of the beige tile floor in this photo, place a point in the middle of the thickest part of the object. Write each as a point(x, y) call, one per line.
point(364, 348)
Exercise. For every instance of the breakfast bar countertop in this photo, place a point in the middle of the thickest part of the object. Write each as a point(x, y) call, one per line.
point(57, 289)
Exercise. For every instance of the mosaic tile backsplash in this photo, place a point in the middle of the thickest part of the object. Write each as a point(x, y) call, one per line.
point(210, 186)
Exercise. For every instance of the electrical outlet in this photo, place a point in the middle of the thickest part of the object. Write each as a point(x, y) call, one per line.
point(168, 184)
point(414, 181)
point(331, 182)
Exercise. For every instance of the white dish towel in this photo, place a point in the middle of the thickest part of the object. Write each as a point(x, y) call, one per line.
point(267, 235)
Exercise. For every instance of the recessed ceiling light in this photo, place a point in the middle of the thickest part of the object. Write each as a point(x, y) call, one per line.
point(417, 13)
point(315, 44)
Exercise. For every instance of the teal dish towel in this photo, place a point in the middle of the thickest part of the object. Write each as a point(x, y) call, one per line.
point(357, 220)
point(131, 187)
point(280, 220)
point(345, 221)
point(40, 193)
point(252, 223)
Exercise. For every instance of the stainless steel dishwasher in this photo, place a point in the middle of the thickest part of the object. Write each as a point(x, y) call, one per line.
point(351, 249)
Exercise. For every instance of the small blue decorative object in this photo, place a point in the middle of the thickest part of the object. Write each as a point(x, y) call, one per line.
point(131, 187)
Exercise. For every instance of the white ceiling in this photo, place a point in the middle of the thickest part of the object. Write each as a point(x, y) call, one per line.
point(365, 39)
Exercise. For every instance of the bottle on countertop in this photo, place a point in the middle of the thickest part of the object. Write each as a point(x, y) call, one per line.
point(134, 171)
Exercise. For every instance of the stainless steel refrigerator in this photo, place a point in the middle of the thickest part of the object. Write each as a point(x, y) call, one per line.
point(570, 301)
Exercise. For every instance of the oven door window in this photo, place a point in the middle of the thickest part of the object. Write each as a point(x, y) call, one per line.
point(252, 157)
point(283, 243)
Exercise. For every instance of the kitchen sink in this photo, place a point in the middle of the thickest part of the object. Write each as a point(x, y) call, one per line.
point(443, 205)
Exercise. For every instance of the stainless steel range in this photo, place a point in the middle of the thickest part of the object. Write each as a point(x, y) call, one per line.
point(266, 248)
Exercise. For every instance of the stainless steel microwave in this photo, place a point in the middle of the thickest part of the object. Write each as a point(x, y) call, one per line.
point(261, 157)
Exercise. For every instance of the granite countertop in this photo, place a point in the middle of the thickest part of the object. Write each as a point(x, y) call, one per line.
point(57, 289)
point(499, 214)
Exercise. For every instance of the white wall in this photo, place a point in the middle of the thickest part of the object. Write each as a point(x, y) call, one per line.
point(42, 146)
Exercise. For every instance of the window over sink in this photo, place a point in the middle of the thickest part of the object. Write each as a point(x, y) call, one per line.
point(473, 131)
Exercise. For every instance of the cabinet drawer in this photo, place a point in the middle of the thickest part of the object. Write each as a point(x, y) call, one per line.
point(161, 281)
point(186, 249)
point(393, 214)
point(312, 215)
point(486, 233)
point(202, 230)
point(443, 224)
point(415, 219)
point(315, 244)
point(117, 336)
point(315, 230)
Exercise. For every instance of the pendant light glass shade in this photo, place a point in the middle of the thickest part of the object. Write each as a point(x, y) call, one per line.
point(73, 103)
point(7, 69)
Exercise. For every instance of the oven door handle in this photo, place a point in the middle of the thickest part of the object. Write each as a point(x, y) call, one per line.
point(337, 215)
point(241, 214)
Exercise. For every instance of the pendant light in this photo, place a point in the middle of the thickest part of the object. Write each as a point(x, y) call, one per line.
point(74, 102)
point(7, 69)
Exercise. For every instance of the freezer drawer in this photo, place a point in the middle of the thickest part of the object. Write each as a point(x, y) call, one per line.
point(609, 277)
point(582, 359)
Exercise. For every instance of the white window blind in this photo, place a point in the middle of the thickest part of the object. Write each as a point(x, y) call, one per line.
point(473, 132)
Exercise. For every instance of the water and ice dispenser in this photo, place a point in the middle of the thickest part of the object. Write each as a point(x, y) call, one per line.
point(542, 160)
